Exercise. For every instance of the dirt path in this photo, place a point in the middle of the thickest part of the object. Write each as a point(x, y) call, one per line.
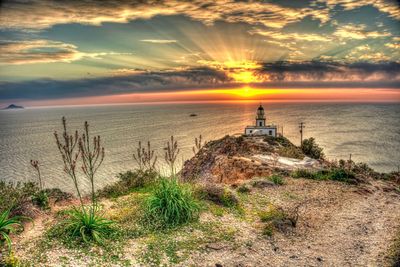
point(356, 233)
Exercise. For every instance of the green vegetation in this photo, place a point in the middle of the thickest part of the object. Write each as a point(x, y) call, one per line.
point(41, 199)
point(335, 174)
point(16, 197)
point(217, 194)
point(128, 182)
point(243, 188)
point(311, 148)
point(8, 225)
point(87, 225)
point(85, 222)
point(276, 179)
point(170, 204)
point(276, 218)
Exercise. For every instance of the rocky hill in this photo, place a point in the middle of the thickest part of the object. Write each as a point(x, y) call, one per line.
point(233, 159)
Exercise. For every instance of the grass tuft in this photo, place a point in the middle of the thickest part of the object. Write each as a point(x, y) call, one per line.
point(171, 204)
point(276, 179)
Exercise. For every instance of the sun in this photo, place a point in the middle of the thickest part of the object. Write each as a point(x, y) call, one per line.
point(243, 76)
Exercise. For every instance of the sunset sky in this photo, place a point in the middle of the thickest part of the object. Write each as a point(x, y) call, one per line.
point(99, 52)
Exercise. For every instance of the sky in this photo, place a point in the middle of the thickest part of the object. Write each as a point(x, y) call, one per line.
point(100, 52)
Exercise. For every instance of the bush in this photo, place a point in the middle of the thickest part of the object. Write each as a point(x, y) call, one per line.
point(243, 189)
point(335, 174)
point(218, 194)
point(129, 181)
point(171, 204)
point(276, 179)
point(291, 152)
point(16, 197)
point(41, 199)
point(87, 225)
point(311, 149)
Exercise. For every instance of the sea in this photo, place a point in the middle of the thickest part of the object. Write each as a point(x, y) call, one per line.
point(368, 132)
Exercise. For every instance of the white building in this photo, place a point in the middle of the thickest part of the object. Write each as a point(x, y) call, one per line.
point(261, 128)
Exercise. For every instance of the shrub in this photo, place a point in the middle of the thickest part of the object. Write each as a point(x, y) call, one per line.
point(8, 225)
point(218, 194)
point(291, 152)
point(276, 179)
point(335, 174)
point(87, 225)
point(243, 189)
point(311, 149)
point(41, 199)
point(129, 181)
point(170, 204)
point(16, 197)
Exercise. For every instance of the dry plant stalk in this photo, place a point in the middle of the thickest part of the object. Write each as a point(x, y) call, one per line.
point(92, 157)
point(145, 158)
point(66, 145)
point(35, 165)
point(198, 144)
point(171, 153)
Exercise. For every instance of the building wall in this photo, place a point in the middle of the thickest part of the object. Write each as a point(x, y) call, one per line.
point(271, 131)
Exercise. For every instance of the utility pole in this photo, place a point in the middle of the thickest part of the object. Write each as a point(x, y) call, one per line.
point(301, 126)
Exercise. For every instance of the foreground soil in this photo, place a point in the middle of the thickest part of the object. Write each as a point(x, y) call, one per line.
point(338, 225)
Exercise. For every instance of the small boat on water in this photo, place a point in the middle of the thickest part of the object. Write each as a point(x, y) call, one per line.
point(193, 115)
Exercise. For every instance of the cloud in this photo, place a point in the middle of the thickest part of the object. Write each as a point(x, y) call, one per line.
point(41, 14)
point(42, 51)
point(158, 41)
point(390, 7)
point(282, 36)
point(359, 32)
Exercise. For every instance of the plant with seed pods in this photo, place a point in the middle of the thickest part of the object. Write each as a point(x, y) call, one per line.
point(171, 153)
point(67, 145)
point(35, 165)
point(92, 157)
point(198, 144)
point(145, 157)
point(39, 198)
point(84, 223)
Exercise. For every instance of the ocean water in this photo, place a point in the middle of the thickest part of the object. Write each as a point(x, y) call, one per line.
point(370, 132)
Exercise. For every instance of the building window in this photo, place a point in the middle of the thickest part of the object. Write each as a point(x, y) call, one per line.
point(260, 123)
point(251, 131)
point(270, 132)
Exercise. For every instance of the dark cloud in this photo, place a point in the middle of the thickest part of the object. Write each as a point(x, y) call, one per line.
point(331, 71)
point(311, 74)
point(145, 81)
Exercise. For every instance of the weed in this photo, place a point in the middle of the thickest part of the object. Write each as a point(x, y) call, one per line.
point(276, 179)
point(41, 199)
point(171, 153)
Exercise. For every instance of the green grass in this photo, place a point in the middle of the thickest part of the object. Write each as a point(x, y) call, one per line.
point(276, 179)
point(128, 182)
point(336, 174)
point(171, 204)
point(173, 246)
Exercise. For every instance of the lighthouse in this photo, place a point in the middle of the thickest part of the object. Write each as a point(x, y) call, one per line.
point(261, 128)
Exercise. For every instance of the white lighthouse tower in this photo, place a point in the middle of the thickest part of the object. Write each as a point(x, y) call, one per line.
point(261, 128)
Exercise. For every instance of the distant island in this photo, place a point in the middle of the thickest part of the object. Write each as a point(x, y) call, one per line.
point(12, 106)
